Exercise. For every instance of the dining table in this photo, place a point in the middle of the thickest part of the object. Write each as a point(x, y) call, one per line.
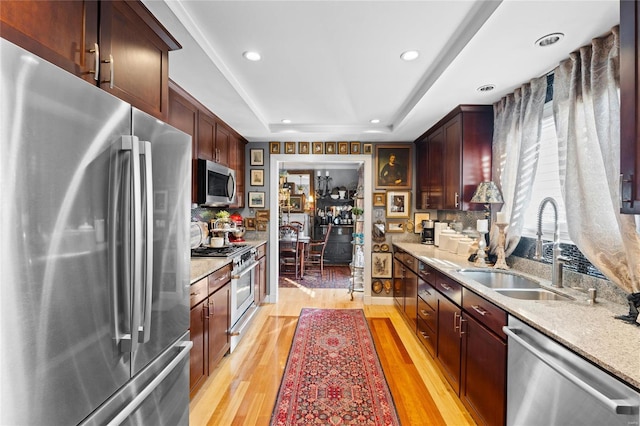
point(303, 240)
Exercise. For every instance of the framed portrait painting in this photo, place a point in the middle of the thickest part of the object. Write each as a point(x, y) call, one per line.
point(303, 147)
point(392, 166)
point(398, 204)
point(289, 147)
point(274, 147)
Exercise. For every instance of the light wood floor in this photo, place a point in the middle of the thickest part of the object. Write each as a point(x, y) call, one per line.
point(243, 388)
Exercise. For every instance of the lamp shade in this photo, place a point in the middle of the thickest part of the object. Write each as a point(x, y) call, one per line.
point(487, 193)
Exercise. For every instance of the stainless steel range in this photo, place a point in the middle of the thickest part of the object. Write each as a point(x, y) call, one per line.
point(242, 304)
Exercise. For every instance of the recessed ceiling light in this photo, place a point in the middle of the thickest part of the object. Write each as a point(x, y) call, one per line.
point(251, 56)
point(286, 121)
point(486, 88)
point(549, 39)
point(409, 55)
point(374, 121)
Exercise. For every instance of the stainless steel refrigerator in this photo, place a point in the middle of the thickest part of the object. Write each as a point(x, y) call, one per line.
point(94, 254)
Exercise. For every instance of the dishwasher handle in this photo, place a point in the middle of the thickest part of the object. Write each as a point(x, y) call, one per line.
point(618, 406)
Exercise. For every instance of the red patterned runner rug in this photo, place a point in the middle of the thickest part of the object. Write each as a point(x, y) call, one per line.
point(333, 375)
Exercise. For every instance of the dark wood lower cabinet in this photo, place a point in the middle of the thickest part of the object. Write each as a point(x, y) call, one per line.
point(219, 303)
point(449, 342)
point(209, 325)
point(198, 354)
point(484, 376)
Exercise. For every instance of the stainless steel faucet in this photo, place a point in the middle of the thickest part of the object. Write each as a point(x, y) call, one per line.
point(558, 260)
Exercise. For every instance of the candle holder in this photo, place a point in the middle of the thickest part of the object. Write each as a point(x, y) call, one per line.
point(481, 255)
point(501, 262)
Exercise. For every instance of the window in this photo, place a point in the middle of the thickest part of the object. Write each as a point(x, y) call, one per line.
point(546, 184)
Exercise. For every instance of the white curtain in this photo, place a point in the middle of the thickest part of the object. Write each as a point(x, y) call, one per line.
point(516, 143)
point(587, 115)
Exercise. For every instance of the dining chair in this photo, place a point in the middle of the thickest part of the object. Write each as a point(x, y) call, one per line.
point(315, 253)
point(289, 250)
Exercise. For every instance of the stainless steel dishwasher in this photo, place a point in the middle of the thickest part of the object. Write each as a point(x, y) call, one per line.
point(547, 384)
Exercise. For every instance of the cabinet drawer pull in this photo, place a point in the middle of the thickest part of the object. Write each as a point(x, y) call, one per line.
point(425, 313)
point(455, 321)
point(479, 310)
point(425, 335)
point(445, 286)
point(456, 198)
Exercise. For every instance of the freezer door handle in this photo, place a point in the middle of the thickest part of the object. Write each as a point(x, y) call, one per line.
point(147, 296)
point(618, 406)
point(185, 347)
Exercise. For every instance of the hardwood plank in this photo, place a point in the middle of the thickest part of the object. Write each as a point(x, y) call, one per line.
point(243, 387)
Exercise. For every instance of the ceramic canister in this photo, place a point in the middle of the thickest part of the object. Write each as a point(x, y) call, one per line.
point(438, 227)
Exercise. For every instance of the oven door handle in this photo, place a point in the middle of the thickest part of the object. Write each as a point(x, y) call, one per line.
point(245, 271)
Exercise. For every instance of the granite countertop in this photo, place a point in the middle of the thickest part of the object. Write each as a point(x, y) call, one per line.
point(588, 329)
point(203, 266)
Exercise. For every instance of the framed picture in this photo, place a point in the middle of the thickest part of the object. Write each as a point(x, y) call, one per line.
point(257, 177)
point(392, 166)
point(318, 147)
point(297, 203)
point(257, 156)
point(367, 148)
point(343, 148)
point(256, 199)
point(417, 220)
point(250, 223)
point(398, 204)
point(274, 147)
point(261, 225)
point(289, 147)
point(329, 147)
point(378, 199)
point(395, 225)
point(355, 147)
point(262, 215)
point(381, 264)
point(303, 147)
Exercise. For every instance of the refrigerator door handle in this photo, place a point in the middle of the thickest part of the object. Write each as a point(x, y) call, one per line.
point(185, 347)
point(129, 342)
point(147, 295)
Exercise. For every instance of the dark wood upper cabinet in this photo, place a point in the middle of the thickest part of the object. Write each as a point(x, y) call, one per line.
point(458, 150)
point(212, 138)
point(630, 106)
point(64, 33)
point(117, 45)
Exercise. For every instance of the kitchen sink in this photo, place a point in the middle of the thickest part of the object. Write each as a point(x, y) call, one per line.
point(531, 294)
point(499, 279)
point(511, 284)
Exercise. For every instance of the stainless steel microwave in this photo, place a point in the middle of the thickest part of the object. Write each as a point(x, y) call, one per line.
point(216, 184)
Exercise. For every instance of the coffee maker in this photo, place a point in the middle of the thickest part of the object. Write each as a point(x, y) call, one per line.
point(428, 232)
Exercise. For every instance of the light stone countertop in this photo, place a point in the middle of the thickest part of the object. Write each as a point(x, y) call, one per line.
point(203, 266)
point(588, 329)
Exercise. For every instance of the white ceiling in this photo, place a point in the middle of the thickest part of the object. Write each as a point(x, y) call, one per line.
point(331, 66)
